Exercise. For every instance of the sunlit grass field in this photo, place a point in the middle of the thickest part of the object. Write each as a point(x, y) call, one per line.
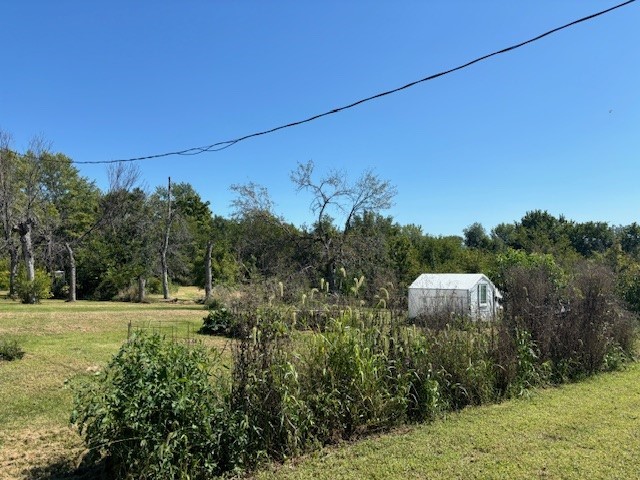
point(589, 429)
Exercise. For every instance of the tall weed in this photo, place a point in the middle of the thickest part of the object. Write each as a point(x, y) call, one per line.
point(273, 419)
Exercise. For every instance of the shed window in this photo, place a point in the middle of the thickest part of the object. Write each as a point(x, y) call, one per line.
point(482, 294)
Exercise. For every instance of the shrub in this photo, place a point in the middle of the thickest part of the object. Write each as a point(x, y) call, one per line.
point(59, 287)
point(528, 371)
point(411, 373)
point(519, 260)
point(4, 274)
point(154, 286)
point(573, 327)
point(219, 321)
point(10, 350)
point(154, 413)
point(628, 286)
point(32, 291)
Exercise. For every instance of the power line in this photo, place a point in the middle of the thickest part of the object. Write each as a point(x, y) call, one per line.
point(218, 146)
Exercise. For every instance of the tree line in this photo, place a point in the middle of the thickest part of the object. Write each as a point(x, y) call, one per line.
point(64, 235)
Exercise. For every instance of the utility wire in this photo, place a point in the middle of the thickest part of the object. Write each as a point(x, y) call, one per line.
point(218, 146)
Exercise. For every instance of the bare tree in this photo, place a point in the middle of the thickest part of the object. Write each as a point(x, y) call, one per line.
point(333, 195)
point(251, 199)
point(334, 192)
point(123, 177)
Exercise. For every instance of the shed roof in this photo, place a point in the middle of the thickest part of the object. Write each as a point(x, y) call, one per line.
point(448, 281)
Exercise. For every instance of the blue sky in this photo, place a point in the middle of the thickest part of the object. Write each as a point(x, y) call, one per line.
point(554, 125)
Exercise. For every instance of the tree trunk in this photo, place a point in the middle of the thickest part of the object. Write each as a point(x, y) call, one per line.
point(13, 269)
point(165, 275)
point(165, 246)
point(49, 238)
point(24, 230)
point(142, 283)
point(330, 275)
point(72, 274)
point(207, 273)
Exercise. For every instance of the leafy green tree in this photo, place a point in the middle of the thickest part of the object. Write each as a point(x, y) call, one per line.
point(442, 253)
point(591, 237)
point(72, 213)
point(629, 237)
point(9, 193)
point(367, 253)
point(122, 252)
point(196, 219)
point(475, 236)
point(265, 245)
point(539, 231)
point(404, 257)
point(164, 212)
point(44, 203)
point(27, 202)
point(505, 235)
point(528, 261)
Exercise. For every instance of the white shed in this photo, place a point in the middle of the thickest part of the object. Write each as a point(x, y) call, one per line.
point(470, 294)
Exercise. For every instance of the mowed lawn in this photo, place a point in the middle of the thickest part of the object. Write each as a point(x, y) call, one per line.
point(62, 342)
point(589, 429)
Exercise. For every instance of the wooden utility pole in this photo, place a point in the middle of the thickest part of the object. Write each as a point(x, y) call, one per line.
point(165, 245)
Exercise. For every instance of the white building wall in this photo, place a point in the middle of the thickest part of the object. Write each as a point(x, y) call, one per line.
point(486, 311)
point(422, 300)
point(426, 300)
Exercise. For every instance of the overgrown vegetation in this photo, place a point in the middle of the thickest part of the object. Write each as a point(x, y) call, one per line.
point(584, 430)
point(578, 328)
point(292, 390)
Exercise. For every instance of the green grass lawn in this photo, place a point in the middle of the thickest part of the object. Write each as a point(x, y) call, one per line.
point(589, 429)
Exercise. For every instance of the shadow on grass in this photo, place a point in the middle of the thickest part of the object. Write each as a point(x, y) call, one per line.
point(63, 469)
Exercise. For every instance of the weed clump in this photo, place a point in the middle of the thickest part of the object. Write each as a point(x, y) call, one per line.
point(10, 350)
